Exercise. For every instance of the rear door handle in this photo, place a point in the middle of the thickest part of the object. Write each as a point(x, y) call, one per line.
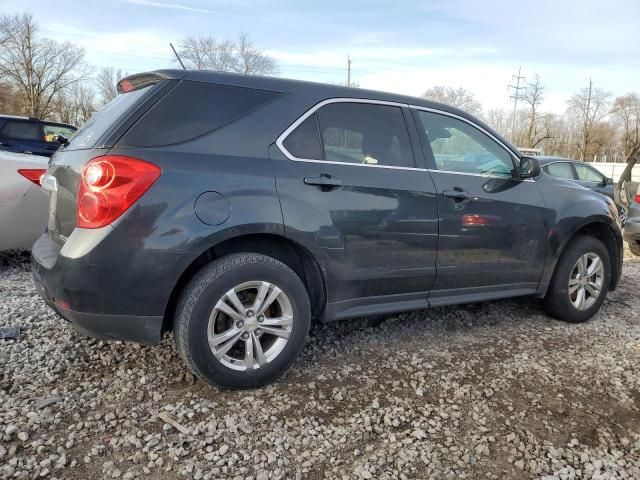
point(324, 181)
point(457, 194)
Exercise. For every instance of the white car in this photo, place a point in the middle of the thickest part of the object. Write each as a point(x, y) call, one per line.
point(23, 203)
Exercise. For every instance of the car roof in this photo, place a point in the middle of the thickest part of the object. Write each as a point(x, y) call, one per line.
point(324, 90)
point(545, 159)
point(34, 119)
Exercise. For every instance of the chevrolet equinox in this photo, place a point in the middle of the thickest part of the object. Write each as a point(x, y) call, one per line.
point(234, 210)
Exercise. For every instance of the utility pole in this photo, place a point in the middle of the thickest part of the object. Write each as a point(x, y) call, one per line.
point(348, 70)
point(516, 96)
point(586, 129)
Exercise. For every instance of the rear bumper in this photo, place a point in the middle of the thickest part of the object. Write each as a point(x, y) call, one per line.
point(631, 230)
point(107, 299)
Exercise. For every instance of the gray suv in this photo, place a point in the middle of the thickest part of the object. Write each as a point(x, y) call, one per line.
point(628, 194)
point(235, 210)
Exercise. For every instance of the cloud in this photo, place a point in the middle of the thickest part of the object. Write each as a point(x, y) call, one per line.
point(174, 6)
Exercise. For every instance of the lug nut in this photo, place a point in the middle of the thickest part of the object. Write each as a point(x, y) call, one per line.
point(258, 331)
point(249, 313)
point(245, 335)
point(261, 318)
point(240, 324)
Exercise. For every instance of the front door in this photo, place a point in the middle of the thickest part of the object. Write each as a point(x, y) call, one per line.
point(351, 193)
point(492, 234)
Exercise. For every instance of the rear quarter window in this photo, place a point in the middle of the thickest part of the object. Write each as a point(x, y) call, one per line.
point(191, 110)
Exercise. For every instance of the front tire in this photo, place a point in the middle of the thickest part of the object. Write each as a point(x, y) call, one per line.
point(242, 321)
point(580, 282)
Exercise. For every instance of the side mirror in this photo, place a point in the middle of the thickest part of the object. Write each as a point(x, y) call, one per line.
point(62, 140)
point(529, 168)
point(608, 181)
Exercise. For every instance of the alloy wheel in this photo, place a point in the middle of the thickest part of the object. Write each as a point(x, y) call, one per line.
point(250, 325)
point(585, 281)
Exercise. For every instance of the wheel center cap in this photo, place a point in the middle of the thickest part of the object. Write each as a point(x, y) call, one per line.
point(250, 324)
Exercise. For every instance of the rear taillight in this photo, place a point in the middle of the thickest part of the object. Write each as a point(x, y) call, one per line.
point(637, 197)
point(109, 186)
point(33, 174)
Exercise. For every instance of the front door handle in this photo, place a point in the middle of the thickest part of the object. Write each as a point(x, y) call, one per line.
point(323, 181)
point(457, 195)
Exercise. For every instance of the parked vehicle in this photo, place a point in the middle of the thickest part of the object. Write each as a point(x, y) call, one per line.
point(281, 201)
point(30, 135)
point(23, 203)
point(579, 172)
point(530, 152)
point(627, 193)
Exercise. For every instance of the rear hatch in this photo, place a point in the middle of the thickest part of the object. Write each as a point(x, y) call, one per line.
point(627, 186)
point(95, 138)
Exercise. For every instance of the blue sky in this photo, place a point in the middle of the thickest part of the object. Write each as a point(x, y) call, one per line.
point(405, 47)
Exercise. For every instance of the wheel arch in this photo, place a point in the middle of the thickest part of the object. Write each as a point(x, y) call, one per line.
point(612, 241)
point(291, 253)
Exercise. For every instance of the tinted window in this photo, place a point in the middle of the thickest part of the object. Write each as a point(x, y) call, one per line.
point(587, 174)
point(51, 132)
point(89, 134)
point(193, 109)
point(304, 141)
point(459, 147)
point(22, 130)
point(365, 133)
point(560, 170)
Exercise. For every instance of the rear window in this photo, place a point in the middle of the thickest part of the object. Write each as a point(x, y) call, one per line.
point(89, 134)
point(22, 130)
point(193, 109)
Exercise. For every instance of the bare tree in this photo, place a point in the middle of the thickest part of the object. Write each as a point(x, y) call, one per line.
point(107, 83)
point(590, 106)
point(498, 118)
point(75, 104)
point(626, 111)
point(533, 97)
point(240, 55)
point(456, 97)
point(9, 101)
point(39, 68)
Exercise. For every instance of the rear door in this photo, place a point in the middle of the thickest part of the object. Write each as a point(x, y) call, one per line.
point(352, 193)
point(492, 234)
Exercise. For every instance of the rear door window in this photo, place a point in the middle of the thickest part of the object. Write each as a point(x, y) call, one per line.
point(365, 133)
point(20, 130)
point(193, 109)
point(304, 141)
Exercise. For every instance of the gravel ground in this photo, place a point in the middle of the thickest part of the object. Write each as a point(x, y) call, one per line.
point(495, 390)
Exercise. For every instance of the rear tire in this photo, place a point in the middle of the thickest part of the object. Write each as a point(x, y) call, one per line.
point(563, 300)
point(242, 321)
point(634, 247)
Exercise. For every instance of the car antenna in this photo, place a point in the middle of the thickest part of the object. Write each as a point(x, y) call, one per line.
point(177, 56)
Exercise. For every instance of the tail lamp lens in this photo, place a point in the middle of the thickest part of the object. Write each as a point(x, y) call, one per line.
point(637, 197)
point(109, 186)
point(33, 174)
